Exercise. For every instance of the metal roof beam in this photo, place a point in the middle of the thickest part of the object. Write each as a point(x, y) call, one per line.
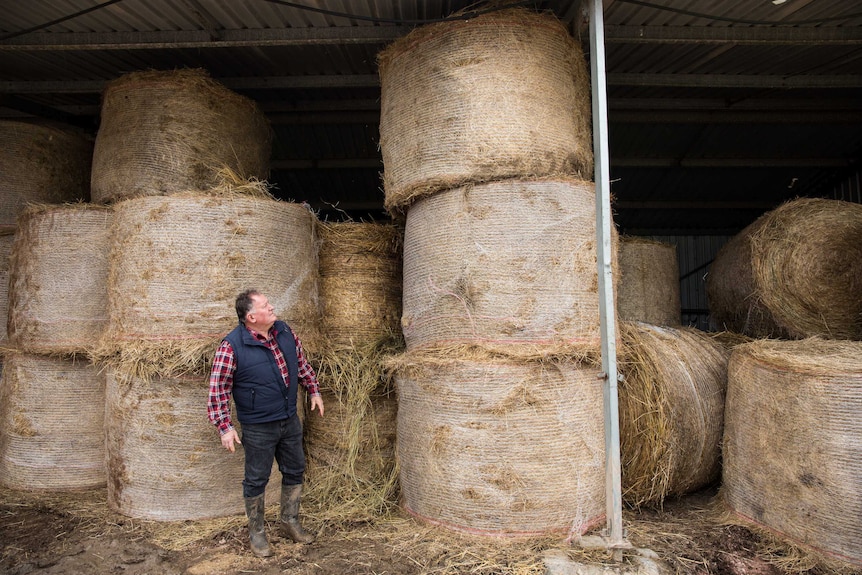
point(734, 80)
point(172, 39)
point(760, 35)
point(785, 162)
point(647, 116)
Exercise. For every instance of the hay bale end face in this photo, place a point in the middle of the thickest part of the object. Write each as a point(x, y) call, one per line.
point(177, 263)
point(360, 283)
point(794, 273)
point(41, 164)
point(793, 443)
point(500, 447)
point(507, 265)
point(671, 411)
point(163, 132)
point(649, 283)
point(164, 459)
point(499, 96)
point(58, 271)
point(53, 413)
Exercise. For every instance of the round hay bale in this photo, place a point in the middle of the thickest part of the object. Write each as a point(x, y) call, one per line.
point(351, 451)
point(507, 265)
point(501, 447)
point(793, 443)
point(360, 283)
point(7, 238)
point(41, 164)
point(164, 132)
point(671, 405)
point(794, 273)
point(53, 414)
point(503, 95)
point(57, 278)
point(164, 459)
point(649, 284)
point(177, 263)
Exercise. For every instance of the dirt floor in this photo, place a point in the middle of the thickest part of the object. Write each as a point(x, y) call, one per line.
point(77, 533)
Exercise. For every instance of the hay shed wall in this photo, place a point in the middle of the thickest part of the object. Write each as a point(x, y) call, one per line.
point(53, 411)
point(507, 265)
point(499, 96)
point(177, 263)
point(57, 278)
point(671, 404)
point(360, 282)
point(649, 282)
point(163, 132)
point(796, 272)
point(41, 164)
point(793, 442)
point(501, 447)
point(164, 459)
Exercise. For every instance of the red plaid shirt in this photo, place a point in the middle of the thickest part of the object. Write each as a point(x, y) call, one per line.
point(224, 367)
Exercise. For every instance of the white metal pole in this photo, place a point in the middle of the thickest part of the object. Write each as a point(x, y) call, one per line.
point(613, 489)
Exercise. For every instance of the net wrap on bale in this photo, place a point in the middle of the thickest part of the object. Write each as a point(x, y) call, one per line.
point(177, 263)
point(163, 132)
point(360, 283)
point(53, 416)
point(164, 459)
point(41, 163)
point(500, 447)
point(508, 265)
point(649, 284)
point(793, 443)
point(671, 404)
point(57, 278)
point(7, 238)
point(502, 95)
point(796, 272)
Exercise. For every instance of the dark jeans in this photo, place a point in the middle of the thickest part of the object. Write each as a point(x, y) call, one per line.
point(263, 441)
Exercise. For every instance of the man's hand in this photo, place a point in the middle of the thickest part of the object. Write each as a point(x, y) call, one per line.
point(229, 439)
point(318, 401)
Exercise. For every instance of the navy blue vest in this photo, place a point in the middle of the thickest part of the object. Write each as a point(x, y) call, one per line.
point(259, 392)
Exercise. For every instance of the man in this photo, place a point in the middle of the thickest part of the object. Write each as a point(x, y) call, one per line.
point(261, 363)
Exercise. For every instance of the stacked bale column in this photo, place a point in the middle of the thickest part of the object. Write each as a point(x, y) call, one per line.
point(182, 158)
point(351, 451)
point(487, 149)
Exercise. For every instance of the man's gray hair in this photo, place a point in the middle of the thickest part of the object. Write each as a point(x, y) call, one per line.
point(244, 303)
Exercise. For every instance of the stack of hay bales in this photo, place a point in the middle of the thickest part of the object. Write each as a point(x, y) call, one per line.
point(649, 286)
point(53, 402)
point(793, 447)
point(351, 451)
point(487, 149)
point(7, 237)
point(180, 157)
point(795, 272)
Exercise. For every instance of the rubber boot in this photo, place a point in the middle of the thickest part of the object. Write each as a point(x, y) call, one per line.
point(254, 508)
point(290, 496)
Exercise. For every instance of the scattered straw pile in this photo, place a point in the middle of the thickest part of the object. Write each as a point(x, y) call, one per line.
point(164, 458)
point(164, 132)
point(351, 451)
point(360, 282)
point(58, 272)
point(177, 263)
point(53, 413)
point(6, 239)
point(494, 446)
point(649, 284)
point(507, 265)
point(41, 163)
point(793, 443)
point(671, 411)
point(795, 272)
point(499, 96)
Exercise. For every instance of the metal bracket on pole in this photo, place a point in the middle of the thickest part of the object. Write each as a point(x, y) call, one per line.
point(604, 225)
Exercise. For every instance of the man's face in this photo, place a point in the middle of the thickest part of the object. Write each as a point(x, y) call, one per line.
point(262, 315)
